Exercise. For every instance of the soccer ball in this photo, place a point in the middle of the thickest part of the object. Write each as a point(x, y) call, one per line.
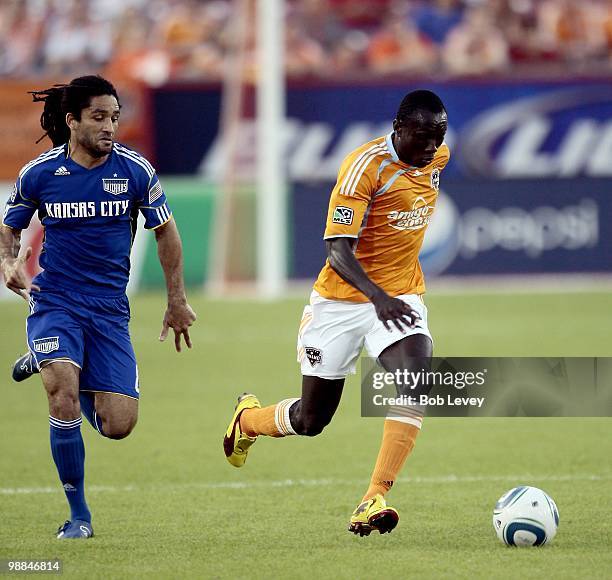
point(525, 516)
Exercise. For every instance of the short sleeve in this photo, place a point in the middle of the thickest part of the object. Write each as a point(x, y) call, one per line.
point(352, 194)
point(154, 206)
point(21, 204)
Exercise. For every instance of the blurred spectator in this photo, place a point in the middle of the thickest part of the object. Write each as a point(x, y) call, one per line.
point(20, 34)
point(139, 56)
point(400, 48)
point(607, 26)
point(303, 55)
point(319, 21)
point(573, 32)
point(436, 19)
point(522, 32)
point(361, 14)
point(348, 56)
point(476, 46)
point(205, 51)
point(181, 31)
point(74, 41)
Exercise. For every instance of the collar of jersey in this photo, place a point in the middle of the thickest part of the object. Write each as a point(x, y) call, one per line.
point(393, 152)
point(75, 164)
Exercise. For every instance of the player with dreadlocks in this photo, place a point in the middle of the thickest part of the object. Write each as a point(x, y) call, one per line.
point(88, 191)
point(368, 293)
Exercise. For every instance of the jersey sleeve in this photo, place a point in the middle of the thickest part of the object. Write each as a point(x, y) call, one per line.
point(21, 204)
point(154, 206)
point(352, 194)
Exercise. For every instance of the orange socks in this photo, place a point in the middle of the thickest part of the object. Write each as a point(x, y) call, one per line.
point(272, 421)
point(397, 443)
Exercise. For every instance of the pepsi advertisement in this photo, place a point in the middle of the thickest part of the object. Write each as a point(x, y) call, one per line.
point(488, 227)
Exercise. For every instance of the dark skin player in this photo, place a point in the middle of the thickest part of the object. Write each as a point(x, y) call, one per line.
point(416, 140)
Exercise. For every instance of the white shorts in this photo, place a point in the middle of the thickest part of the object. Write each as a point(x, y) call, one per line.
point(332, 334)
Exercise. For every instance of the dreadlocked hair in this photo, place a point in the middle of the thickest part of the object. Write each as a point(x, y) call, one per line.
point(71, 98)
point(420, 100)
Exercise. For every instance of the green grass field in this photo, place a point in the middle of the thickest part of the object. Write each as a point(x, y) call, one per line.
point(166, 503)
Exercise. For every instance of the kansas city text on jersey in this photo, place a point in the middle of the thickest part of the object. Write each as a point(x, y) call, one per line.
point(86, 209)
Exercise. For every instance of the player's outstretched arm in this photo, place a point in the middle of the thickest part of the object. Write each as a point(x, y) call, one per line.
point(12, 264)
point(389, 309)
point(179, 316)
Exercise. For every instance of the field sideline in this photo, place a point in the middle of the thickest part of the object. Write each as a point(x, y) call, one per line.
point(166, 503)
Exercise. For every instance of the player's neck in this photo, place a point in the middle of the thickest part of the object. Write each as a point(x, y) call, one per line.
point(82, 157)
point(395, 147)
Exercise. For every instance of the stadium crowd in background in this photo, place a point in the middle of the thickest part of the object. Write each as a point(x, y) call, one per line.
point(155, 41)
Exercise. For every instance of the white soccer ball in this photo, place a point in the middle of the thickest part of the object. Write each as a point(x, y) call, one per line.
point(525, 516)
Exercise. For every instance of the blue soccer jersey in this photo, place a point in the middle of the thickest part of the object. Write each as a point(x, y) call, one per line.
point(89, 216)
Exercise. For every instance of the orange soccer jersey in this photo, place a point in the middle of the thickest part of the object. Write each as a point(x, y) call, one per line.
point(386, 206)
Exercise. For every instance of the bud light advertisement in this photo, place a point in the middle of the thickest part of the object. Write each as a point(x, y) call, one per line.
point(507, 130)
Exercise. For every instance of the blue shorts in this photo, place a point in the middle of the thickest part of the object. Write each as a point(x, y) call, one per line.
point(89, 331)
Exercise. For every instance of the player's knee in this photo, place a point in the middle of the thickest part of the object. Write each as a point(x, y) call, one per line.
point(63, 403)
point(118, 429)
point(311, 425)
point(62, 387)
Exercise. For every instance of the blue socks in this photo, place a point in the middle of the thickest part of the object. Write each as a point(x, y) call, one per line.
point(88, 408)
point(69, 455)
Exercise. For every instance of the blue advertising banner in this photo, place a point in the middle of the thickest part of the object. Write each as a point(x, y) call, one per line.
point(488, 227)
point(504, 129)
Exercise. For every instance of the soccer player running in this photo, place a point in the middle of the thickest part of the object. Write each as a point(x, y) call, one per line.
point(368, 293)
point(88, 191)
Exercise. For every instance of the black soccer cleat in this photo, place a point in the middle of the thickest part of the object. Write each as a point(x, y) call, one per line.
point(24, 367)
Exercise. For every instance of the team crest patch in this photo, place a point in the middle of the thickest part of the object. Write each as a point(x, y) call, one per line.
point(343, 215)
point(115, 185)
point(314, 355)
point(46, 345)
point(13, 194)
point(435, 179)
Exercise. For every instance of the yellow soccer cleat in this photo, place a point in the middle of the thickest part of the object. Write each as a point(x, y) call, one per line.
point(236, 443)
point(373, 514)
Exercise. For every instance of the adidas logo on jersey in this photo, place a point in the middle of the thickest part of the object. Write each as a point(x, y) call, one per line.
point(62, 171)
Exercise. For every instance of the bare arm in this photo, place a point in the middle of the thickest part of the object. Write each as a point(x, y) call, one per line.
point(179, 316)
point(12, 265)
point(345, 264)
point(10, 242)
